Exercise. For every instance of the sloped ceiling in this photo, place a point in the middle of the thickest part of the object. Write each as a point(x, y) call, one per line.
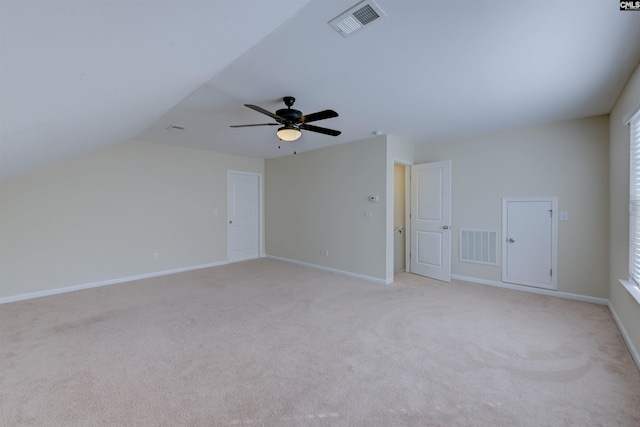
point(77, 76)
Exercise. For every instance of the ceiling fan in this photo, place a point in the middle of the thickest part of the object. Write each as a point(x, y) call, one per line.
point(293, 121)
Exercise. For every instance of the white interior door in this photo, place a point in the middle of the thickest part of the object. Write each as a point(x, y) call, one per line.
point(431, 220)
point(529, 254)
point(243, 216)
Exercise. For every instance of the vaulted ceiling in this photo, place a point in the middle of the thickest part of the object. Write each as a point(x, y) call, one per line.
point(78, 75)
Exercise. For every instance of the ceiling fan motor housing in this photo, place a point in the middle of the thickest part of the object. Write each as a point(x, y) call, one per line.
point(290, 115)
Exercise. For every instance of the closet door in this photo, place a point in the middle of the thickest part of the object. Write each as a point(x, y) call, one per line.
point(529, 246)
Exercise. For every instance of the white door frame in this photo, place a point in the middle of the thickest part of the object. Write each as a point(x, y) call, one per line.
point(407, 212)
point(407, 217)
point(260, 210)
point(554, 239)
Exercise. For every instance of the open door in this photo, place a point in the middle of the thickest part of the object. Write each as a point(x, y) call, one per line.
point(431, 220)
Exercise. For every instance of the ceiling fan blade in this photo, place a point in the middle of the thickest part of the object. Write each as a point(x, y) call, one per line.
point(260, 124)
point(318, 129)
point(320, 115)
point(263, 111)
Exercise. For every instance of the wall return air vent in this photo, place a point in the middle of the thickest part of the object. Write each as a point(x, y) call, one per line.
point(356, 18)
point(479, 246)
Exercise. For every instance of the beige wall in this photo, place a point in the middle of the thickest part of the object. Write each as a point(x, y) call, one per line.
point(316, 200)
point(627, 309)
point(568, 160)
point(102, 216)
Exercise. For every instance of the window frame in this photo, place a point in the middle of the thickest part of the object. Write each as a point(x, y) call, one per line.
point(633, 282)
point(634, 198)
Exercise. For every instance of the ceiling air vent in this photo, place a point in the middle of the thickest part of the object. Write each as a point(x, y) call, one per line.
point(355, 19)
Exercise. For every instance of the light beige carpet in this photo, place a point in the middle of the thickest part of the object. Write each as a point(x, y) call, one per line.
point(266, 343)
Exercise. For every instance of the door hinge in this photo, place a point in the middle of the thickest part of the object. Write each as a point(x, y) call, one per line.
point(551, 213)
point(551, 272)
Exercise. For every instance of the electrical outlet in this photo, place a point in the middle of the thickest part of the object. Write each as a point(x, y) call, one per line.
point(156, 256)
point(325, 252)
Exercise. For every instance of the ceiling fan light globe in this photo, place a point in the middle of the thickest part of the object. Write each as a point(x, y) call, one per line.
point(288, 133)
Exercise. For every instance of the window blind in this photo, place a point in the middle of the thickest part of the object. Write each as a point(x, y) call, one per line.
point(634, 200)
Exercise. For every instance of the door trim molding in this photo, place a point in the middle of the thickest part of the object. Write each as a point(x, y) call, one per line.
point(554, 237)
point(407, 217)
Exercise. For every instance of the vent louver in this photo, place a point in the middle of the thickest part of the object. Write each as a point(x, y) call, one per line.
point(355, 19)
point(479, 246)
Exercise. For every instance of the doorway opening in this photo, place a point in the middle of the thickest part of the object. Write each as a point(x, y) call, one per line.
point(399, 218)
point(422, 219)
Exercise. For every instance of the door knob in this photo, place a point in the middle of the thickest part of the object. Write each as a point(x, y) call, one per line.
point(230, 222)
point(511, 240)
point(445, 227)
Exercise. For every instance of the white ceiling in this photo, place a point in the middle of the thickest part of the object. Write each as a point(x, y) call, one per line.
point(79, 75)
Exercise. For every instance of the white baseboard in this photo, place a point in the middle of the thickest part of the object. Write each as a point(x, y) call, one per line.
point(635, 355)
point(566, 295)
point(601, 301)
point(333, 270)
point(66, 289)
